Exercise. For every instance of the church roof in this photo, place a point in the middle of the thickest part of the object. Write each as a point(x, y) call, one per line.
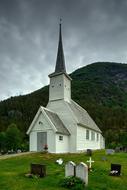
point(57, 122)
point(60, 62)
point(82, 116)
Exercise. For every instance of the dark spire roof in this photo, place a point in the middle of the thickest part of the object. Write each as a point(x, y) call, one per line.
point(60, 63)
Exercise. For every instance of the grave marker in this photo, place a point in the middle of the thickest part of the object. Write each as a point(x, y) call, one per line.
point(115, 170)
point(82, 172)
point(104, 158)
point(89, 152)
point(38, 169)
point(90, 161)
point(110, 151)
point(70, 169)
point(117, 149)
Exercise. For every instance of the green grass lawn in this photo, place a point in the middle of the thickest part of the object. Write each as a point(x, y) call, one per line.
point(12, 172)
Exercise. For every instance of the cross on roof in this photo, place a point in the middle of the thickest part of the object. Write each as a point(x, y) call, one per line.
point(60, 20)
point(90, 162)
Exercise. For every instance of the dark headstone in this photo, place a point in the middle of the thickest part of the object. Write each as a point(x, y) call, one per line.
point(115, 170)
point(121, 149)
point(38, 169)
point(89, 152)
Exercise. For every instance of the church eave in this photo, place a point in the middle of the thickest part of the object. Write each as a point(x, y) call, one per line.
point(88, 127)
point(60, 73)
point(68, 134)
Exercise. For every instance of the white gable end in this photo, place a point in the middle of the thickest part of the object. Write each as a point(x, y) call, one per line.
point(41, 123)
point(42, 132)
point(41, 120)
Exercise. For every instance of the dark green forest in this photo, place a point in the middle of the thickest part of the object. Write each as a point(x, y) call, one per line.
point(100, 88)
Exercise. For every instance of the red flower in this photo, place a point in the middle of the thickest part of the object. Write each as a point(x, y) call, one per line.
point(45, 147)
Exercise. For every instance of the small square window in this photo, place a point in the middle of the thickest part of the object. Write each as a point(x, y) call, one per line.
point(61, 138)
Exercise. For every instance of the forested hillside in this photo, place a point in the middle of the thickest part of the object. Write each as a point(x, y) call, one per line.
point(101, 88)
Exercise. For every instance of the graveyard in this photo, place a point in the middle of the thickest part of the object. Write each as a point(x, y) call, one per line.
point(13, 170)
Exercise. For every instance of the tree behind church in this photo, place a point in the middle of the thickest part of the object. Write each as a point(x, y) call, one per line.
point(2, 142)
point(13, 137)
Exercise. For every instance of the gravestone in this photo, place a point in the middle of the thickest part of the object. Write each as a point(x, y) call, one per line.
point(104, 158)
point(115, 170)
point(70, 169)
point(110, 151)
point(19, 151)
point(117, 149)
point(38, 169)
point(125, 150)
point(82, 172)
point(89, 152)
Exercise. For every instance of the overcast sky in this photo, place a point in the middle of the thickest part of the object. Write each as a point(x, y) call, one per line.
point(93, 30)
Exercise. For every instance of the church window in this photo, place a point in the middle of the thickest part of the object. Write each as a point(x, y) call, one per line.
point(59, 84)
point(87, 134)
point(52, 86)
point(92, 135)
point(97, 137)
point(40, 123)
point(60, 138)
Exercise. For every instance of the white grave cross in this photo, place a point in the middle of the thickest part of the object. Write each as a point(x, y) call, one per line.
point(90, 162)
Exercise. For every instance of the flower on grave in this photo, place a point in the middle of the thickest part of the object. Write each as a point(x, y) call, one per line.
point(114, 172)
point(45, 147)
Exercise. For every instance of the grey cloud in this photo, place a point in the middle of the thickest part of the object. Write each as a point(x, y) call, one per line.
point(93, 30)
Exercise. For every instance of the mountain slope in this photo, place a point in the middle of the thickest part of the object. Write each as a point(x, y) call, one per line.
point(101, 88)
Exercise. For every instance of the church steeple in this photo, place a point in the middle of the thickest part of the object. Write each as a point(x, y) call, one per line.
point(60, 62)
point(60, 81)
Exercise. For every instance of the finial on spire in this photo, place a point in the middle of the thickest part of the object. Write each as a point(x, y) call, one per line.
point(60, 21)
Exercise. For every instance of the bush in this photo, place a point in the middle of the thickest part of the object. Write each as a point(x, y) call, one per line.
point(13, 137)
point(3, 142)
point(25, 146)
point(72, 183)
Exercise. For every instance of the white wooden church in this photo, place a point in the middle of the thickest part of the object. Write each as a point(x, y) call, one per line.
point(63, 125)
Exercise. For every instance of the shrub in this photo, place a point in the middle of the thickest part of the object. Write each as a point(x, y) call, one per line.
point(3, 142)
point(13, 137)
point(72, 183)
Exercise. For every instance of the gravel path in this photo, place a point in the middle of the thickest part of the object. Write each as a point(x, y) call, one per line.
point(2, 157)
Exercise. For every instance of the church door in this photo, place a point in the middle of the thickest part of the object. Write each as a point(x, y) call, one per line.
point(41, 140)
